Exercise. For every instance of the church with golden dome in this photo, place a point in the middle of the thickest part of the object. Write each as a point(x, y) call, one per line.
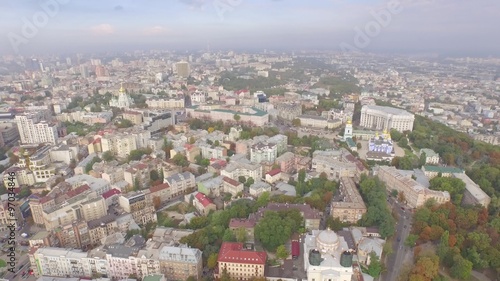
point(123, 101)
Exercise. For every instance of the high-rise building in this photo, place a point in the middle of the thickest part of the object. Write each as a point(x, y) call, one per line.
point(34, 129)
point(182, 68)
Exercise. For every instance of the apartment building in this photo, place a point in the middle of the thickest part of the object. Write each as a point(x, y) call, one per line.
point(232, 186)
point(333, 164)
point(242, 167)
point(165, 103)
point(102, 227)
point(213, 152)
point(137, 173)
point(141, 209)
point(263, 152)
point(8, 133)
point(98, 185)
point(281, 141)
point(240, 263)
point(178, 263)
point(350, 208)
point(34, 128)
point(119, 144)
point(39, 163)
point(414, 193)
point(85, 206)
point(203, 204)
point(180, 183)
point(286, 161)
point(59, 262)
point(133, 116)
point(386, 118)
point(74, 235)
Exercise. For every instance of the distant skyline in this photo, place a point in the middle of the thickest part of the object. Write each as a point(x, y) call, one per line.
point(447, 27)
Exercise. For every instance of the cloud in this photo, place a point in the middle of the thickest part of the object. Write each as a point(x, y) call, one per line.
point(155, 30)
point(102, 29)
point(118, 8)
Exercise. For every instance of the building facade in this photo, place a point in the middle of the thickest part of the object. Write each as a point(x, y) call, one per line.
point(386, 118)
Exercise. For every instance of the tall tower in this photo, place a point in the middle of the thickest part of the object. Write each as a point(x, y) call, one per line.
point(348, 129)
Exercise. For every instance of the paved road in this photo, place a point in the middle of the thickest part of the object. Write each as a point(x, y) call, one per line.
point(395, 261)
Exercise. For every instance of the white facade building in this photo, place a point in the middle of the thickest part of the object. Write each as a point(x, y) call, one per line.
point(386, 118)
point(34, 129)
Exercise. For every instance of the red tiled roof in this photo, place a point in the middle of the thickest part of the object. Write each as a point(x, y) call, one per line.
point(233, 252)
point(159, 187)
point(274, 172)
point(231, 181)
point(204, 200)
point(110, 193)
point(245, 223)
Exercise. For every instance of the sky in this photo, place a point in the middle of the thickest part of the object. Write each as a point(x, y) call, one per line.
point(453, 27)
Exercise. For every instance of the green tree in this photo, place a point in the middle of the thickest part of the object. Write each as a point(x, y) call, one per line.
point(241, 235)
point(461, 268)
point(153, 175)
point(137, 184)
point(282, 253)
point(249, 182)
point(180, 160)
point(242, 179)
point(237, 117)
point(411, 240)
point(375, 267)
point(228, 236)
point(192, 140)
point(212, 260)
point(108, 156)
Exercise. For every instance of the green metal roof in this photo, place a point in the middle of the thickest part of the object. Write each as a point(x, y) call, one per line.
point(444, 170)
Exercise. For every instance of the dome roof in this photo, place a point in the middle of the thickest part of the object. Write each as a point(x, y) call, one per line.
point(328, 238)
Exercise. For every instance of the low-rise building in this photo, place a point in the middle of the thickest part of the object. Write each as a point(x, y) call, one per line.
point(414, 193)
point(431, 157)
point(240, 263)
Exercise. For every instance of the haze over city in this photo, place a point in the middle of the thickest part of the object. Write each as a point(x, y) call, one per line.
point(447, 27)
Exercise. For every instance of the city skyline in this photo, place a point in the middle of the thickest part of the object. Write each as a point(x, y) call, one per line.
point(395, 26)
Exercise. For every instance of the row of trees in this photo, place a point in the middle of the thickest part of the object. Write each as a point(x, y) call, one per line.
point(378, 213)
point(275, 228)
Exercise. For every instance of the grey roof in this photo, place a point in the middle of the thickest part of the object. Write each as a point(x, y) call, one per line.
point(388, 109)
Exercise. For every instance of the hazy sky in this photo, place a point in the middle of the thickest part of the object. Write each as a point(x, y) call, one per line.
point(440, 26)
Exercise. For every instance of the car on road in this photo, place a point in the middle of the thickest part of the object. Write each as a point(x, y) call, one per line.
point(399, 239)
point(404, 226)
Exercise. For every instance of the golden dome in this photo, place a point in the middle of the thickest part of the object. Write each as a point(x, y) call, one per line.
point(349, 122)
point(122, 90)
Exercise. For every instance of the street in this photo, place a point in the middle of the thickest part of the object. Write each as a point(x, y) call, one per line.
point(395, 261)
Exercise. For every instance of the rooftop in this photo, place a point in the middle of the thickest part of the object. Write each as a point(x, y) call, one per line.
point(234, 253)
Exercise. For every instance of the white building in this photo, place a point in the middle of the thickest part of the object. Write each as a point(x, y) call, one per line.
point(123, 100)
point(34, 129)
point(326, 257)
point(242, 167)
point(431, 157)
point(119, 144)
point(180, 182)
point(386, 118)
point(260, 152)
